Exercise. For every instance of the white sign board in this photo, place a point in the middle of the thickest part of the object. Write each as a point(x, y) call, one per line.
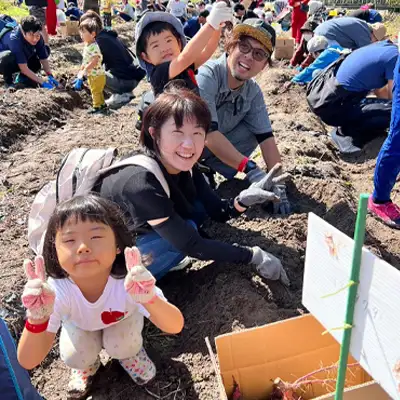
point(375, 340)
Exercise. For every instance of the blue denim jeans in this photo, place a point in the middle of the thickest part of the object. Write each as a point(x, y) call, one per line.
point(164, 255)
point(388, 162)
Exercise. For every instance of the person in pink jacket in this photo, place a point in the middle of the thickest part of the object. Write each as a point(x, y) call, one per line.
point(299, 17)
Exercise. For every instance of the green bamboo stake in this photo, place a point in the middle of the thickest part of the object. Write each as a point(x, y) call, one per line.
point(359, 236)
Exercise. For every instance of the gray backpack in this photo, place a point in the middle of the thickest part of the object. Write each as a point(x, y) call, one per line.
point(78, 173)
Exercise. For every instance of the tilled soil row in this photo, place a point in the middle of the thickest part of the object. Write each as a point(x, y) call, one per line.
point(215, 298)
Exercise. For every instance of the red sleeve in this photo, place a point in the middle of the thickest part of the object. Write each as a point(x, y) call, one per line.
point(308, 61)
point(298, 56)
point(291, 2)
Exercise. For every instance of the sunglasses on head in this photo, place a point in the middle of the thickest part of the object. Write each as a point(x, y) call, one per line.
point(258, 54)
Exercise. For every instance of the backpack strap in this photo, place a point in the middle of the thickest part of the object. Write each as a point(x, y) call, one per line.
point(146, 162)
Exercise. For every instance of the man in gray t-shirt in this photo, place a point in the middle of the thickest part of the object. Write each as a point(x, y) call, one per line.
point(240, 120)
point(350, 33)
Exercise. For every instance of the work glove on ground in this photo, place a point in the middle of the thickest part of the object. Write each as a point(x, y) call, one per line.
point(77, 84)
point(53, 81)
point(219, 14)
point(38, 296)
point(281, 207)
point(256, 175)
point(47, 85)
point(269, 266)
point(139, 282)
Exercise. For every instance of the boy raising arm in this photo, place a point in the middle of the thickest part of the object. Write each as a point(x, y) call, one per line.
point(161, 46)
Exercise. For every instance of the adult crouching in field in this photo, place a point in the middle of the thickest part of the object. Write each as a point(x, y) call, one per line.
point(166, 208)
point(23, 50)
point(340, 99)
point(122, 73)
point(351, 33)
point(240, 120)
point(37, 9)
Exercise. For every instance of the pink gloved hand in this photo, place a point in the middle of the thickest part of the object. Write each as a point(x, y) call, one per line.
point(38, 296)
point(139, 282)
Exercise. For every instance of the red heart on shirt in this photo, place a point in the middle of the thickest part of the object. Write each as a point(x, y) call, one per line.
point(110, 317)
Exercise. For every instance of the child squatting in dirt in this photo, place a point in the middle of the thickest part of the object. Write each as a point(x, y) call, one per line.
point(92, 65)
point(98, 292)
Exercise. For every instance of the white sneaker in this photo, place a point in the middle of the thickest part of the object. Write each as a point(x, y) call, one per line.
point(183, 264)
point(344, 143)
point(118, 100)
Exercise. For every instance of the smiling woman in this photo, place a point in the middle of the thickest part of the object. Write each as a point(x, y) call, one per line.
point(168, 223)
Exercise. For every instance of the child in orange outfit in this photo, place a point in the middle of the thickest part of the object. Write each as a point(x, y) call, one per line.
point(299, 17)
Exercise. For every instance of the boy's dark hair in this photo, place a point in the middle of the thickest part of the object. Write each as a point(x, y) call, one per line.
point(31, 24)
point(178, 103)
point(86, 208)
point(91, 22)
point(204, 14)
point(154, 28)
point(238, 7)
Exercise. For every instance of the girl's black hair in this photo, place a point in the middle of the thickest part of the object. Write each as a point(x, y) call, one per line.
point(86, 208)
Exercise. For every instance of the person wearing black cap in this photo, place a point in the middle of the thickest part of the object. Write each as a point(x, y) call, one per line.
point(240, 120)
point(302, 56)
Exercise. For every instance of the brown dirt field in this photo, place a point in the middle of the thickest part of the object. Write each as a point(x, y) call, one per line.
point(37, 128)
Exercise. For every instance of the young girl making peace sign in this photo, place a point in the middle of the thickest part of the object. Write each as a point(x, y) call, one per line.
point(87, 253)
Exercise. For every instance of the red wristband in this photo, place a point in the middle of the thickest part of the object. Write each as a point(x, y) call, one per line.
point(243, 164)
point(39, 328)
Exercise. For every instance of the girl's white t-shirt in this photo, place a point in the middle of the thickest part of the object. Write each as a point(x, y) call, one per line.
point(113, 305)
point(177, 8)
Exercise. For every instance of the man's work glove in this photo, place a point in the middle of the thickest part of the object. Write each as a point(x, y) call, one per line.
point(268, 266)
point(47, 85)
point(283, 206)
point(255, 175)
point(53, 81)
point(219, 14)
point(274, 177)
point(77, 84)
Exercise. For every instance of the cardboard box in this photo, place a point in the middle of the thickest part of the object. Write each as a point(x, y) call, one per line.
point(69, 28)
point(288, 349)
point(284, 48)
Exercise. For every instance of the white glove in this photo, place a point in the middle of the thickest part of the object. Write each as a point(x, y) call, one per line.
point(139, 282)
point(219, 14)
point(269, 266)
point(38, 296)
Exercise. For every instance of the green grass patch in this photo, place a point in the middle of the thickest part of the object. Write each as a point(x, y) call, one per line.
point(8, 7)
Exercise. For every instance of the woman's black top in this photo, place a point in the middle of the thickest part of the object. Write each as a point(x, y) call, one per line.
point(142, 198)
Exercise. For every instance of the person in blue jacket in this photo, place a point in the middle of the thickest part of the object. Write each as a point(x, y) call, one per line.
point(324, 55)
point(193, 25)
point(388, 165)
